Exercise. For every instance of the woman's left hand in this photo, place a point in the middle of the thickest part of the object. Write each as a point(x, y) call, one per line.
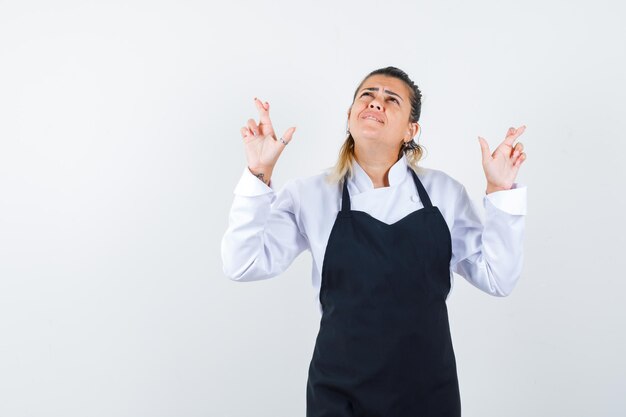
point(502, 165)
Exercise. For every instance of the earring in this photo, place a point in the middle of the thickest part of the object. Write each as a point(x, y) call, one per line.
point(410, 145)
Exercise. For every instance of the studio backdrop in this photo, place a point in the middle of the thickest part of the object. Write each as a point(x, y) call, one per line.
point(120, 149)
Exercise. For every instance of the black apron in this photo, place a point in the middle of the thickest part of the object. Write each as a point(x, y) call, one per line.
point(384, 347)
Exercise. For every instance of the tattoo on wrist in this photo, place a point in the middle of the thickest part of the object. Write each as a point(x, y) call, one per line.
point(261, 176)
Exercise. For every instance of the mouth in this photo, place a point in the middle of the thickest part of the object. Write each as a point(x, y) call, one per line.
point(370, 116)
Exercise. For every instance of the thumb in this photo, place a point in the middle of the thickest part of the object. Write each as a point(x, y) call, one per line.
point(484, 147)
point(289, 134)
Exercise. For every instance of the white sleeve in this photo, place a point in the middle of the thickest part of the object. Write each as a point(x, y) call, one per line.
point(490, 254)
point(263, 237)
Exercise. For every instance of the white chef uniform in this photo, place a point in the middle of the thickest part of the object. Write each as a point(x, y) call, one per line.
point(268, 228)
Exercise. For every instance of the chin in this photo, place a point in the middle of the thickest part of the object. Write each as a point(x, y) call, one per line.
point(369, 135)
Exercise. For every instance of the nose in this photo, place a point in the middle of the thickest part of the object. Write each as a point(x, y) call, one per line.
point(374, 106)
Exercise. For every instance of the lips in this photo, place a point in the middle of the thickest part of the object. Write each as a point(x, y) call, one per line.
point(376, 116)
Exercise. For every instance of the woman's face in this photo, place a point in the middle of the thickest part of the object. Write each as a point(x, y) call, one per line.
point(387, 100)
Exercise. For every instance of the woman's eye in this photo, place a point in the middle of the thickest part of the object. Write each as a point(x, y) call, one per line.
point(390, 98)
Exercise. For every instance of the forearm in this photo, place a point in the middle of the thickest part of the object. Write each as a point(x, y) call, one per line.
point(242, 243)
point(263, 236)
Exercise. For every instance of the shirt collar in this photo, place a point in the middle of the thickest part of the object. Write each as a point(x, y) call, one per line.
point(397, 174)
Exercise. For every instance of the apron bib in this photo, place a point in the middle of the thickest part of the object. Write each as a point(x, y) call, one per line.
point(384, 347)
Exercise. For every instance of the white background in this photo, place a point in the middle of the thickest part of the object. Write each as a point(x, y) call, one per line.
point(120, 149)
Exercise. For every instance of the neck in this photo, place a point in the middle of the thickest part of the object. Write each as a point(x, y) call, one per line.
point(376, 164)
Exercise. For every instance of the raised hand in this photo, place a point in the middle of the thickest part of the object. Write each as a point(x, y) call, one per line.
point(261, 144)
point(501, 166)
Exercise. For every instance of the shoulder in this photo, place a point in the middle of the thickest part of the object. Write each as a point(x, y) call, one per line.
point(315, 185)
point(437, 179)
point(305, 190)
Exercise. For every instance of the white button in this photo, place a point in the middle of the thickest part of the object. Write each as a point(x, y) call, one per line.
point(415, 198)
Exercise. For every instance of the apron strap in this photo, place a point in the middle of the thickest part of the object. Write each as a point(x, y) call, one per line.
point(345, 203)
point(421, 190)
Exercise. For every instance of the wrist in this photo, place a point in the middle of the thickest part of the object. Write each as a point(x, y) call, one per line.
point(494, 188)
point(262, 173)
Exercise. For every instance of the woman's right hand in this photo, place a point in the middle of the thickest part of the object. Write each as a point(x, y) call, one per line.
point(262, 146)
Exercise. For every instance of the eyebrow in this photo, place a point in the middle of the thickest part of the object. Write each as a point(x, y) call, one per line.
point(386, 91)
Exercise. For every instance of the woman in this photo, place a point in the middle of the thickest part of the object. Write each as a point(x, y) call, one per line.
point(387, 236)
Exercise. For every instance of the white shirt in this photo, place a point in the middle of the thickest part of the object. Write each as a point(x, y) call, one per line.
point(268, 229)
